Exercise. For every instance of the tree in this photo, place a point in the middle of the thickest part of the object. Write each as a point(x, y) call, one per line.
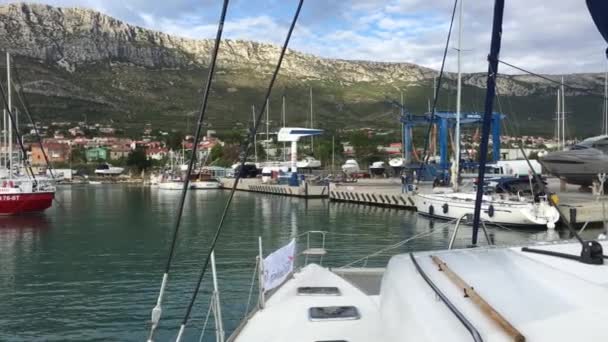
point(323, 152)
point(229, 155)
point(216, 153)
point(233, 136)
point(261, 152)
point(78, 156)
point(366, 149)
point(173, 140)
point(138, 159)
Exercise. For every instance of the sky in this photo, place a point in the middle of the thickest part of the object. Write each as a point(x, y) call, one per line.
point(547, 36)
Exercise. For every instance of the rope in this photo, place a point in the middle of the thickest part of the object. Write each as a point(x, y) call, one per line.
point(211, 303)
point(25, 105)
point(399, 244)
point(244, 154)
point(255, 271)
point(157, 310)
point(438, 86)
point(17, 134)
point(584, 90)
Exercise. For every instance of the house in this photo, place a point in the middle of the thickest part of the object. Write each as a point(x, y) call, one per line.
point(393, 148)
point(75, 131)
point(107, 130)
point(156, 153)
point(56, 152)
point(96, 154)
point(119, 151)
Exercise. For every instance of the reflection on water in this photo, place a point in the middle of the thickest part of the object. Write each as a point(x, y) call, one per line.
point(90, 269)
point(19, 237)
point(24, 222)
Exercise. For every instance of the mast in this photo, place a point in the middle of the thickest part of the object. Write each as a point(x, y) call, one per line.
point(333, 152)
point(255, 140)
point(10, 127)
point(312, 139)
point(558, 118)
point(4, 140)
point(563, 115)
point(499, 6)
point(267, 125)
point(284, 121)
point(456, 167)
point(606, 103)
point(403, 150)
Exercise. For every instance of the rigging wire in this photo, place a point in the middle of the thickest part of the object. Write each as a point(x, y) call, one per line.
point(558, 83)
point(157, 310)
point(246, 151)
point(18, 135)
point(438, 86)
point(26, 106)
point(543, 187)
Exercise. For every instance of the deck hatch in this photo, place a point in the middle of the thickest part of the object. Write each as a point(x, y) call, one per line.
point(318, 291)
point(333, 313)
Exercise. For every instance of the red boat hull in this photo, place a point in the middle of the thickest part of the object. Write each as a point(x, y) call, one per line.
point(11, 204)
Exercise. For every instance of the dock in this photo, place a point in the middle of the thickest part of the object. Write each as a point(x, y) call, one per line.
point(380, 192)
point(578, 207)
point(304, 190)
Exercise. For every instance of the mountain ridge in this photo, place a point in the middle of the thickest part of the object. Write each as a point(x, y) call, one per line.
point(80, 55)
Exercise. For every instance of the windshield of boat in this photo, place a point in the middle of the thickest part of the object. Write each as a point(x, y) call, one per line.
point(599, 142)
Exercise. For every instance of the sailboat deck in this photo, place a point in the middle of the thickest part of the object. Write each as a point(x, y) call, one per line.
point(546, 298)
point(286, 314)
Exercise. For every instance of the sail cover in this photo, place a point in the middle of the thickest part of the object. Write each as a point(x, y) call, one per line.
point(599, 13)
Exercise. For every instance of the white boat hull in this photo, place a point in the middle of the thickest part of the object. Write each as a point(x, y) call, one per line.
point(308, 164)
point(204, 185)
point(494, 210)
point(171, 185)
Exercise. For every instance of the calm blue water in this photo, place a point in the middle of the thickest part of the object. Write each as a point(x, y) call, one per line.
point(90, 268)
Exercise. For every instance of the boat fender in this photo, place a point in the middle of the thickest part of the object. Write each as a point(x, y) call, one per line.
point(11, 184)
point(445, 208)
point(4, 184)
point(431, 210)
point(491, 211)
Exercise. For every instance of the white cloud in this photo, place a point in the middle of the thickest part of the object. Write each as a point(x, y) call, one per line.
point(546, 36)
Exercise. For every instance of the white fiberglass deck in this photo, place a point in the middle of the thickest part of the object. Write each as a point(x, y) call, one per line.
point(544, 297)
point(285, 317)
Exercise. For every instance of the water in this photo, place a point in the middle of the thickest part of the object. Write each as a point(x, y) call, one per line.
point(90, 268)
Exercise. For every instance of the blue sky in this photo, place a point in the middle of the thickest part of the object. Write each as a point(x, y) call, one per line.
point(551, 36)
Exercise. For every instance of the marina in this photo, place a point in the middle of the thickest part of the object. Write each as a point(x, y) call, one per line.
point(82, 266)
point(190, 186)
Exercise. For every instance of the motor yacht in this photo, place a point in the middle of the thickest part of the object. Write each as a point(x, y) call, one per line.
point(350, 166)
point(581, 163)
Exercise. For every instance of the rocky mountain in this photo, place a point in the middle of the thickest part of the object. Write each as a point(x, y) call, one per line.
point(76, 62)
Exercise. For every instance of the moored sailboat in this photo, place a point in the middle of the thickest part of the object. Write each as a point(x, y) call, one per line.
point(20, 192)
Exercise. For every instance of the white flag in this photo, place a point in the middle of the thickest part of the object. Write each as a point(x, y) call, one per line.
point(279, 265)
